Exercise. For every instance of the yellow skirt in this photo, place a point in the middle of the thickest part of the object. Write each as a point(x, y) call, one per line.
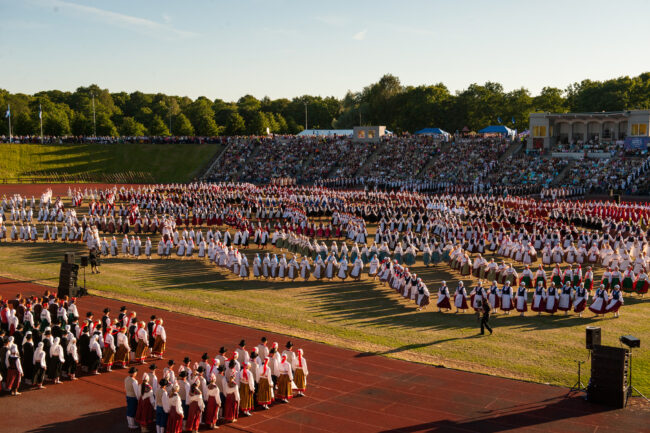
point(300, 379)
point(264, 392)
point(107, 358)
point(122, 356)
point(141, 351)
point(246, 398)
point(284, 387)
point(158, 346)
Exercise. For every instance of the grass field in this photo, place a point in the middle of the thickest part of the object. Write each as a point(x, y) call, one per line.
point(94, 162)
point(361, 315)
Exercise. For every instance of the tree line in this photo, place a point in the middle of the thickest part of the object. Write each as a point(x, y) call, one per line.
point(386, 102)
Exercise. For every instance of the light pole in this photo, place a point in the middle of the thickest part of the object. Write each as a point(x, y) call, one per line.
point(94, 118)
point(169, 101)
point(40, 117)
point(305, 115)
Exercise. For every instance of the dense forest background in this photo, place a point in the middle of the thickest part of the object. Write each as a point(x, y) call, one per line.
point(386, 102)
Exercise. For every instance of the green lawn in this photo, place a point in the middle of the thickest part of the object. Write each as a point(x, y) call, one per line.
point(361, 315)
point(104, 162)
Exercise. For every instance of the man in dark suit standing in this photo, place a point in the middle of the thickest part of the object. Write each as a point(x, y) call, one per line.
point(150, 326)
point(485, 305)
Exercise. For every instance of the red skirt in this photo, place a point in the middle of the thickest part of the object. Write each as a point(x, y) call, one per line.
point(145, 413)
point(444, 303)
point(13, 379)
point(230, 408)
point(211, 411)
point(580, 307)
point(614, 308)
point(601, 309)
point(174, 422)
point(193, 417)
point(471, 302)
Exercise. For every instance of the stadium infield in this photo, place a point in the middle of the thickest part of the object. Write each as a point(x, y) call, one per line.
point(360, 315)
point(347, 391)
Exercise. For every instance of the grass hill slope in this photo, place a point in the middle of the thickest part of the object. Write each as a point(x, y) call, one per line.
point(104, 162)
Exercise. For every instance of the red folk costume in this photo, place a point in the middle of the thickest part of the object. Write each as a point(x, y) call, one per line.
point(231, 405)
point(196, 408)
point(175, 416)
point(146, 413)
point(214, 402)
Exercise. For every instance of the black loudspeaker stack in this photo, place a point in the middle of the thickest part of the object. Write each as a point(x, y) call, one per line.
point(609, 372)
point(593, 337)
point(84, 261)
point(69, 257)
point(68, 277)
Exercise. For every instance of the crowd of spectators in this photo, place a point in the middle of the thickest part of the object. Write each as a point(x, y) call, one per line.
point(402, 158)
point(404, 161)
point(472, 160)
point(629, 175)
point(523, 169)
point(304, 159)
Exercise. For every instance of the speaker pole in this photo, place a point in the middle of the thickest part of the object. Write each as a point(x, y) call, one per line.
point(631, 390)
point(579, 386)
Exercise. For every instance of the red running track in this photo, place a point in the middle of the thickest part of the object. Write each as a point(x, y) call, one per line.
point(347, 391)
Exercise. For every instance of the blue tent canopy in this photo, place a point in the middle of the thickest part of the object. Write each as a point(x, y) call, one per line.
point(496, 129)
point(433, 131)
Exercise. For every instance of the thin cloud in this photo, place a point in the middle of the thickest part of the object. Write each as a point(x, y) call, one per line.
point(119, 19)
point(360, 35)
point(412, 30)
point(332, 20)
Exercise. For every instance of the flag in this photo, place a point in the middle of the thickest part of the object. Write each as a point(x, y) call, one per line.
point(40, 111)
point(8, 113)
point(499, 120)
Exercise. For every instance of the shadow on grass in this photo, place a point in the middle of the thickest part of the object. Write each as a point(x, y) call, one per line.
point(364, 303)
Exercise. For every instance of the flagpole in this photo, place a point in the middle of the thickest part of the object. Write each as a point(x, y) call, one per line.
point(9, 111)
point(94, 119)
point(40, 115)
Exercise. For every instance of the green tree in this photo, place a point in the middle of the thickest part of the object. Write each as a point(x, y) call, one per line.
point(182, 126)
point(158, 127)
point(81, 125)
point(105, 126)
point(201, 115)
point(518, 104)
point(132, 128)
point(551, 100)
point(56, 116)
point(282, 127)
point(23, 124)
point(257, 124)
point(235, 124)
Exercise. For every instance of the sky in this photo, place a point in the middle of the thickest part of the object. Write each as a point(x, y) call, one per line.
point(229, 48)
